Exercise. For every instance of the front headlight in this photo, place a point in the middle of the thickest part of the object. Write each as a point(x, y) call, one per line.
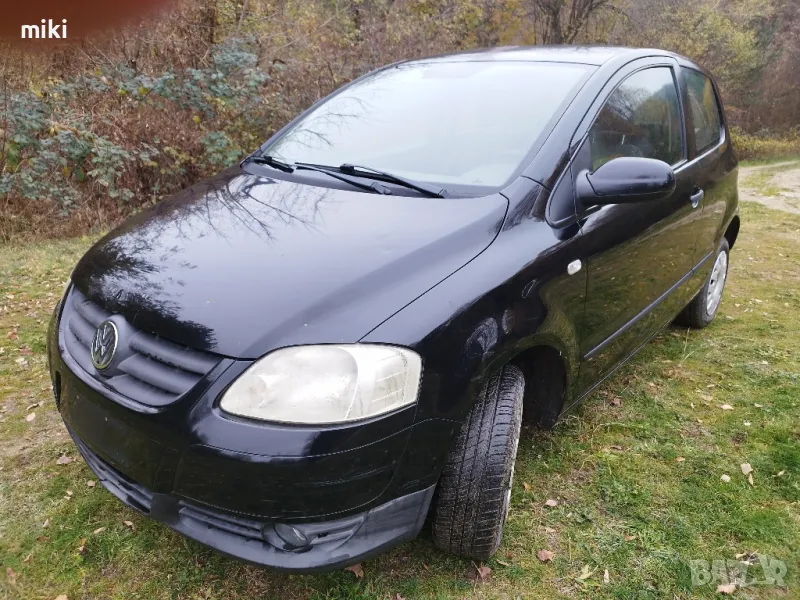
point(325, 384)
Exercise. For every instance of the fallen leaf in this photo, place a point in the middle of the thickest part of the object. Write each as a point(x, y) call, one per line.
point(30, 417)
point(27, 558)
point(585, 573)
point(750, 479)
point(356, 570)
point(630, 538)
point(616, 402)
point(706, 397)
point(726, 407)
point(725, 477)
point(91, 483)
point(132, 527)
point(615, 447)
point(11, 576)
point(545, 555)
point(549, 530)
point(46, 523)
point(680, 459)
point(98, 530)
point(22, 361)
point(61, 597)
point(746, 468)
point(82, 546)
point(780, 473)
point(34, 405)
point(64, 460)
point(728, 588)
point(502, 562)
point(757, 405)
point(551, 503)
point(398, 597)
point(527, 487)
point(749, 557)
point(606, 578)
point(747, 423)
point(69, 492)
point(484, 572)
point(12, 335)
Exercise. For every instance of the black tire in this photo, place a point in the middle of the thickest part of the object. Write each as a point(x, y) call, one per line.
point(697, 314)
point(474, 489)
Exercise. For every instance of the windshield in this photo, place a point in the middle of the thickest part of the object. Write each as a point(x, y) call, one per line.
point(464, 123)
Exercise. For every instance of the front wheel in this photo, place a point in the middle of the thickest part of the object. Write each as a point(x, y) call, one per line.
point(475, 487)
point(702, 309)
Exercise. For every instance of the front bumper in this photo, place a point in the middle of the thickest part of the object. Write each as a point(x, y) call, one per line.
point(330, 544)
point(236, 486)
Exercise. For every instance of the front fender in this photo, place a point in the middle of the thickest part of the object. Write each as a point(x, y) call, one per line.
point(495, 308)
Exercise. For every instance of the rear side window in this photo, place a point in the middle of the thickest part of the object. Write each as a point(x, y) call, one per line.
point(641, 118)
point(704, 109)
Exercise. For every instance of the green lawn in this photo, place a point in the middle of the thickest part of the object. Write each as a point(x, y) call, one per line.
point(636, 470)
point(755, 162)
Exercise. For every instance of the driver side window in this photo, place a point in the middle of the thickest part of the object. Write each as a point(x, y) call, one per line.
point(641, 118)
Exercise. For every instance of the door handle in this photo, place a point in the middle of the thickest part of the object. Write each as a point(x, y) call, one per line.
point(696, 197)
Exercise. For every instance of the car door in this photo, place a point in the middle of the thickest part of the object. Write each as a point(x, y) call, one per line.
point(709, 162)
point(636, 254)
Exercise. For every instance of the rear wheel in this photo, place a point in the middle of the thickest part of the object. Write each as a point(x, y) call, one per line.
point(474, 492)
point(702, 309)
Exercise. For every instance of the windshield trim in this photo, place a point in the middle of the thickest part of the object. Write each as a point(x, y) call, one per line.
point(465, 189)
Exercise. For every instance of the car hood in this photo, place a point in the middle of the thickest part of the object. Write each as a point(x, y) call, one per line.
point(242, 264)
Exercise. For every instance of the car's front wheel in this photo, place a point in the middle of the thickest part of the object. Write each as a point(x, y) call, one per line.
point(475, 487)
point(702, 309)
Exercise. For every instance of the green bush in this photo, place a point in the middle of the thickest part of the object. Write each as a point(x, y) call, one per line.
point(765, 145)
point(206, 119)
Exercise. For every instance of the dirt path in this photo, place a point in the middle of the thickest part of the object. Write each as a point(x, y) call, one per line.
point(776, 186)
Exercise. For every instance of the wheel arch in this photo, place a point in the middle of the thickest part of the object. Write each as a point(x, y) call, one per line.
point(732, 232)
point(547, 383)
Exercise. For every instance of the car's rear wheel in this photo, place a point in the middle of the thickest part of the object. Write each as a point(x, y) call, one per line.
point(474, 491)
point(702, 309)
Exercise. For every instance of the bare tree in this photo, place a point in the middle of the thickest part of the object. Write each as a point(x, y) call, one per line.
point(563, 20)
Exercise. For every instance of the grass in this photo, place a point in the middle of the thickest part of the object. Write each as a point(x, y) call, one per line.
point(627, 504)
point(769, 160)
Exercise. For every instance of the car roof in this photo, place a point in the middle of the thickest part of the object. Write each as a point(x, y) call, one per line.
point(588, 55)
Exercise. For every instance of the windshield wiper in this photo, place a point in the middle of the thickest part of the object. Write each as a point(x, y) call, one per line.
point(369, 187)
point(422, 188)
point(287, 167)
point(270, 161)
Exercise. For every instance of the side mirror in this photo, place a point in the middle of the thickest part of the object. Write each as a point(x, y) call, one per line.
point(625, 180)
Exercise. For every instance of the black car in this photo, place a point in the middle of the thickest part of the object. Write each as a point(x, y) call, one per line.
point(298, 360)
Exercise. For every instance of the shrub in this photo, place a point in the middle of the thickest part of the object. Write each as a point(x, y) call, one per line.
point(157, 133)
point(765, 145)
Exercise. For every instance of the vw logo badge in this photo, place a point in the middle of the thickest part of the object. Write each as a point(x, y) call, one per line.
point(104, 345)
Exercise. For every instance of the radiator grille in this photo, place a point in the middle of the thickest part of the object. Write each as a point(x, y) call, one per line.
point(150, 370)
